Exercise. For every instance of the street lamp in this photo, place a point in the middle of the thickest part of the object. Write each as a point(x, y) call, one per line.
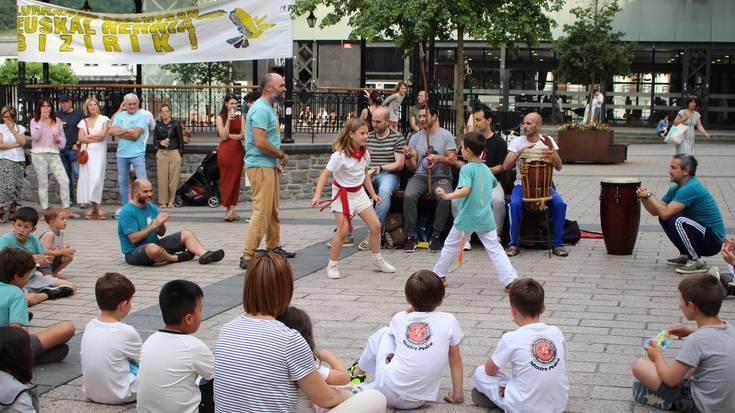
point(311, 20)
point(86, 6)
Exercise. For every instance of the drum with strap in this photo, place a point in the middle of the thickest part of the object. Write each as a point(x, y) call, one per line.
point(537, 169)
point(620, 214)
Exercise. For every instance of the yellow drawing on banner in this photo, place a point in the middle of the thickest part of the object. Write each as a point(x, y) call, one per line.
point(249, 27)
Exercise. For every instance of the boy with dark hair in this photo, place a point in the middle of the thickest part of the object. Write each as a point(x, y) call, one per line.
point(701, 377)
point(172, 358)
point(53, 240)
point(48, 344)
point(110, 349)
point(408, 356)
point(536, 355)
point(40, 286)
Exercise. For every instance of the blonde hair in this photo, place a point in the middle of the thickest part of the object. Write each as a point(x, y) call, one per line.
point(342, 143)
point(86, 105)
point(10, 111)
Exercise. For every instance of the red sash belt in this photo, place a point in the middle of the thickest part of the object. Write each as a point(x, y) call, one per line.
point(342, 195)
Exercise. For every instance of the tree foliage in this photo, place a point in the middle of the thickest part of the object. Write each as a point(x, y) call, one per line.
point(590, 51)
point(209, 73)
point(58, 73)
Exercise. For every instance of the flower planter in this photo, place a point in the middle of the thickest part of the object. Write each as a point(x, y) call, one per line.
point(589, 146)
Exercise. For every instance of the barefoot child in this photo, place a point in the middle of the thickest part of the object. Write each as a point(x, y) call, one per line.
point(349, 164)
point(474, 192)
point(53, 240)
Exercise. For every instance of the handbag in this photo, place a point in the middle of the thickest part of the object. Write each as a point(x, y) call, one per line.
point(82, 154)
point(676, 134)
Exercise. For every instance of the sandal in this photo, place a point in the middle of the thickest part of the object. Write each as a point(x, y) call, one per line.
point(229, 218)
point(89, 213)
point(101, 214)
point(236, 217)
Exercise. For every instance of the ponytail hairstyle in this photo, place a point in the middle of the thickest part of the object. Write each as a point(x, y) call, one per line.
point(342, 143)
point(474, 142)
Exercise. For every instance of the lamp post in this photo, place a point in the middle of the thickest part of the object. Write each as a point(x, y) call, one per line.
point(86, 6)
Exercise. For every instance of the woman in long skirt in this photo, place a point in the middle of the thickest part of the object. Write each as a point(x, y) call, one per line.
point(93, 139)
point(230, 155)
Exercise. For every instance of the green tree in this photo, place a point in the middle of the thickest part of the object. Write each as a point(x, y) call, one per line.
point(58, 73)
point(590, 52)
point(209, 73)
point(410, 22)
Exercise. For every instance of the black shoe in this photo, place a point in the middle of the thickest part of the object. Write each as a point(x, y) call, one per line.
point(53, 355)
point(243, 263)
point(30, 316)
point(436, 244)
point(410, 244)
point(211, 256)
point(284, 253)
point(54, 293)
point(184, 256)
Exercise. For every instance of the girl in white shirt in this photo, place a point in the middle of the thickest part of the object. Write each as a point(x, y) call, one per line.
point(348, 163)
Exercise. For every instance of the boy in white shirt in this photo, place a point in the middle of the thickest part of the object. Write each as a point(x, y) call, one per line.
point(536, 355)
point(110, 349)
point(408, 356)
point(172, 358)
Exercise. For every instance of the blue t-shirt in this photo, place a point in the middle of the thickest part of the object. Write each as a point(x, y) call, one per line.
point(13, 305)
point(700, 205)
point(261, 115)
point(133, 219)
point(32, 244)
point(125, 147)
point(475, 210)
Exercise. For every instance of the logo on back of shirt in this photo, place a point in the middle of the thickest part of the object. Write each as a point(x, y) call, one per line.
point(417, 334)
point(544, 353)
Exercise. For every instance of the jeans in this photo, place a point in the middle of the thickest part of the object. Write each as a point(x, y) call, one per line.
point(690, 237)
point(123, 174)
point(71, 166)
point(386, 184)
point(557, 209)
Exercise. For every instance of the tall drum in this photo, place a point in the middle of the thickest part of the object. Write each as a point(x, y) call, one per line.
point(620, 214)
point(537, 169)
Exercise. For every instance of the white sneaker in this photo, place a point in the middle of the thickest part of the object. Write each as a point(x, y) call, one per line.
point(382, 265)
point(333, 272)
point(117, 213)
point(467, 245)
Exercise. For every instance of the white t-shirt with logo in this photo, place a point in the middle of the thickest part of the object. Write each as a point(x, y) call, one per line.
point(422, 350)
point(106, 351)
point(348, 171)
point(536, 354)
point(169, 365)
point(521, 142)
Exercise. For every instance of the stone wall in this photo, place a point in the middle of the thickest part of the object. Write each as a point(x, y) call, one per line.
point(306, 162)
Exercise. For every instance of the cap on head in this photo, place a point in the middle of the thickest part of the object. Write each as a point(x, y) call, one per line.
point(63, 97)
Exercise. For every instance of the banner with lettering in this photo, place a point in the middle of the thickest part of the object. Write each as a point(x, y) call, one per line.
point(217, 31)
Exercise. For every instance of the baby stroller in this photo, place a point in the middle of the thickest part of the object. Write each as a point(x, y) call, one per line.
point(202, 187)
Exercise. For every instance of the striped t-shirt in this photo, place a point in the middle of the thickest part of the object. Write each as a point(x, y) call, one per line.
point(382, 150)
point(256, 365)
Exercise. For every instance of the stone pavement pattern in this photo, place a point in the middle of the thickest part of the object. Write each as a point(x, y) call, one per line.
point(605, 305)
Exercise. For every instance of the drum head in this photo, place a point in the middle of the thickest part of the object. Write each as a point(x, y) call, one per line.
point(620, 180)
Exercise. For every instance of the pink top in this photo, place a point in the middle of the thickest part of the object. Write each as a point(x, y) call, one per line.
point(42, 136)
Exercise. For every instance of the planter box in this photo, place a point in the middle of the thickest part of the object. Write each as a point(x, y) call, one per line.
point(589, 146)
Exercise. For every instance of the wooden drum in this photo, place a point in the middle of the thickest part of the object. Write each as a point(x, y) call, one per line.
point(537, 168)
point(620, 214)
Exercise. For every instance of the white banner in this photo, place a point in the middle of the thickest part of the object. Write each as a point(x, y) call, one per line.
point(217, 31)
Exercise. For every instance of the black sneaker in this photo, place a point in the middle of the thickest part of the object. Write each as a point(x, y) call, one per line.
point(53, 355)
point(54, 293)
point(30, 316)
point(243, 263)
point(388, 241)
point(185, 256)
point(211, 256)
point(410, 244)
point(436, 244)
point(284, 253)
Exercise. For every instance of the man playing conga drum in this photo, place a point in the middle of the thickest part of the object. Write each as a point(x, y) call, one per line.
point(532, 139)
point(688, 214)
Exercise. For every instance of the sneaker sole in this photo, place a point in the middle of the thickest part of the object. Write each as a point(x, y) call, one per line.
point(697, 271)
point(216, 256)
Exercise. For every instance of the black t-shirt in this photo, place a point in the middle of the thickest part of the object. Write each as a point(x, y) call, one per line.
point(71, 120)
point(496, 149)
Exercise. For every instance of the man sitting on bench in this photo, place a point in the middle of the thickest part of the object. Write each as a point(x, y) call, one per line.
point(438, 156)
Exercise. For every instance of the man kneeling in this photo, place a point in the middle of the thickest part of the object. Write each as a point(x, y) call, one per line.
point(141, 224)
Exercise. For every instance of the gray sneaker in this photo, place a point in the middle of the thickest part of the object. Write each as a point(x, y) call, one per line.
point(692, 267)
point(364, 245)
point(678, 261)
point(725, 279)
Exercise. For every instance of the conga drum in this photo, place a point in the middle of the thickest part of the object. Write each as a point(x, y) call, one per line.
point(537, 168)
point(620, 214)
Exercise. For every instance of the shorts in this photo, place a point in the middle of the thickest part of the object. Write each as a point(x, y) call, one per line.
point(56, 263)
point(36, 347)
point(171, 243)
point(359, 201)
point(39, 280)
point(681, 396)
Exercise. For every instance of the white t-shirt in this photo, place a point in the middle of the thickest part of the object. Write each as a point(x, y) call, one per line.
point(305, 405)
point(536, 354)
point(348, 171)
point(15, 154)
point(169, 365)
point(422, 350)
point(521, 142)
point(106, 351)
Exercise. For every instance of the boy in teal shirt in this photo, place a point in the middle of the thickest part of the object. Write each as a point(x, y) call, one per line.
point(474, 192)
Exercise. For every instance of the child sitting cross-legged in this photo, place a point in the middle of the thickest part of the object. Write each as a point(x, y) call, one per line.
point(110, 349)
point(17, 394)
point(53, 240)
point(172, 358)
point(702, 376)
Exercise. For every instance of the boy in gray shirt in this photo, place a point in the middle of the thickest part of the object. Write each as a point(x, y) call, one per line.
point(701, 377)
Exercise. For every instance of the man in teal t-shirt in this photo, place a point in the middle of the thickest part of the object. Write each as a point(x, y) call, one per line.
point(689, 215)
point(130, 126)
point(262, 155)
